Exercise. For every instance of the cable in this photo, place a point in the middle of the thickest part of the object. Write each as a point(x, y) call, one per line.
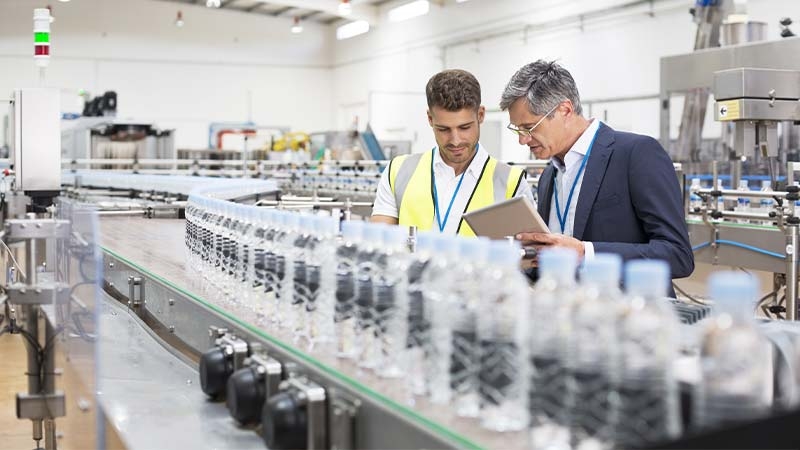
point(740, 245)
point(86, 279)
point(685, 294)
point(79, 328)
point(13, 259)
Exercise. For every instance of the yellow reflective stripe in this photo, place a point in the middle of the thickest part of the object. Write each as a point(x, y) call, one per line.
point(394, 168)
point(416, 206)
point(515, 178)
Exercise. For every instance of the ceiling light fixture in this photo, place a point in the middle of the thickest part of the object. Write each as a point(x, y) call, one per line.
point(461, 1)
point(409, 10)
point(179, 20)
point(345, 8)
point(352, 29)
point(63, 1)
point(296, 27)
point(213, 3)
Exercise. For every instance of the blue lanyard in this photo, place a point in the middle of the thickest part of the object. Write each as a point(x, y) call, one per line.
point(436, 196)
point(562, 219)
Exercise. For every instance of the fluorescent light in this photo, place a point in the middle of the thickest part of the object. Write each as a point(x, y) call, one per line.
point(461, 1)
point(213, 3)
point(352, 29)
point(409, 10)
point(296, 27)
point(345, 8)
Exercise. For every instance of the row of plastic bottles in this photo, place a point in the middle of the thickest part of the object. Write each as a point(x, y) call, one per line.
point(334, 180)
point(578, 363)
point(740, 204)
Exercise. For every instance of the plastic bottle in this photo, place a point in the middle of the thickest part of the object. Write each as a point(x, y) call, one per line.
point(461, 310)
point(736, 359)
point(262, 222)
point(550, 325)
point(797, 202)
point(418, 324)
point(721, 199)
point(367, 268)
point(502, 324)
point(649, 336)
point(321, 282)
point(284, 266)
point(438, 349)
point(346, 268)
point(593, 358)
point(743, 203)
point(298, 256)
point(390, 307)
point(695, 201)
point(766, 204)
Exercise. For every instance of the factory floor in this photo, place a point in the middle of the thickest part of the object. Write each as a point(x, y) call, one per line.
point(75, 431)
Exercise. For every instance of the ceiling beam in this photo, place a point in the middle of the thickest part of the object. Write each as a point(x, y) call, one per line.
point(360, 12)
point(253, 8)
point(310, 15)
point(278, 12)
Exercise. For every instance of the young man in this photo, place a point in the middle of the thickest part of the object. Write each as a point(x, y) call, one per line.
point(431, 190)
point(605, 190)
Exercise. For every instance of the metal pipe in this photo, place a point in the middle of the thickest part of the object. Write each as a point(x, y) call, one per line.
point(50, 442)
point(30, 262)
point(741, 215)
point(749, 194)
point(121, 212)
point(791, 271)
point(32, 327)
point(37, 430)
point(49, 361)
point(714, 175)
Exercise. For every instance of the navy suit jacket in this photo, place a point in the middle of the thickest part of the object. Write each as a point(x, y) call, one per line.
point(630, 201)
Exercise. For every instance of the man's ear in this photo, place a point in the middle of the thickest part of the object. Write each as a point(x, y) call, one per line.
point(567, 107)
point(481, 114)
point(430, 118)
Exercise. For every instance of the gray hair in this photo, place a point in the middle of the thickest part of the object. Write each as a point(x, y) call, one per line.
point(544, 84)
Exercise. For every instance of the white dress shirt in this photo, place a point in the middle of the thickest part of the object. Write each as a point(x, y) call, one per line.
point(565, 176)
point(446, 182)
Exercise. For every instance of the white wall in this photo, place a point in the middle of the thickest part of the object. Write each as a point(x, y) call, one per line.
point(615, 56)
point(221, 66)
point(230, 66)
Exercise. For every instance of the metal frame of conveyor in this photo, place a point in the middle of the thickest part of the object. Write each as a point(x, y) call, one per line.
point(354, 420)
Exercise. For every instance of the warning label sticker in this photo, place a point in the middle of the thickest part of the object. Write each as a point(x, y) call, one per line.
point(728, 110)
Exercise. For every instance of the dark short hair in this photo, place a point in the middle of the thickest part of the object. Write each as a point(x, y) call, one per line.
point(453, 90)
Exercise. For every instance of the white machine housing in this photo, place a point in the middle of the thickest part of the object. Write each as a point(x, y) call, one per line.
point(36, 139)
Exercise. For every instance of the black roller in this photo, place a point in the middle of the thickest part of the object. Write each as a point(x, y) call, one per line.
point(245, 395)
point(215, 368)
point(284, 423)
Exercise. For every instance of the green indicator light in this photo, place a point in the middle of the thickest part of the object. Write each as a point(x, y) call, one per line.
point(41, 37)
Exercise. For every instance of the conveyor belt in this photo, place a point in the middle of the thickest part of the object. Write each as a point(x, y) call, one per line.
point(156, 246)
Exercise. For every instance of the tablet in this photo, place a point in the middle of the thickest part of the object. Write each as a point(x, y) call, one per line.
point(507, 218)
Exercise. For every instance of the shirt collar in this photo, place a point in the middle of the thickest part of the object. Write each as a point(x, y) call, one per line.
point(579, 148)
point(474, 168)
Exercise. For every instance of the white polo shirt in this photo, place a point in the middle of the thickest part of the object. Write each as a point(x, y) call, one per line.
point(446, 182)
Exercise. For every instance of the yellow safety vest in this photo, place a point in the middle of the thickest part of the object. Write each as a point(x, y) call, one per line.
point(411, 184)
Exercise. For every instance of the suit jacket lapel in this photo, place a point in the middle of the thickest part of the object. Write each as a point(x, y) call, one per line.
point(592, 178)
point(545, 191)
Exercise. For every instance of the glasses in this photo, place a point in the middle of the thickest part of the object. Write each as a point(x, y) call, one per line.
point(529, 132)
